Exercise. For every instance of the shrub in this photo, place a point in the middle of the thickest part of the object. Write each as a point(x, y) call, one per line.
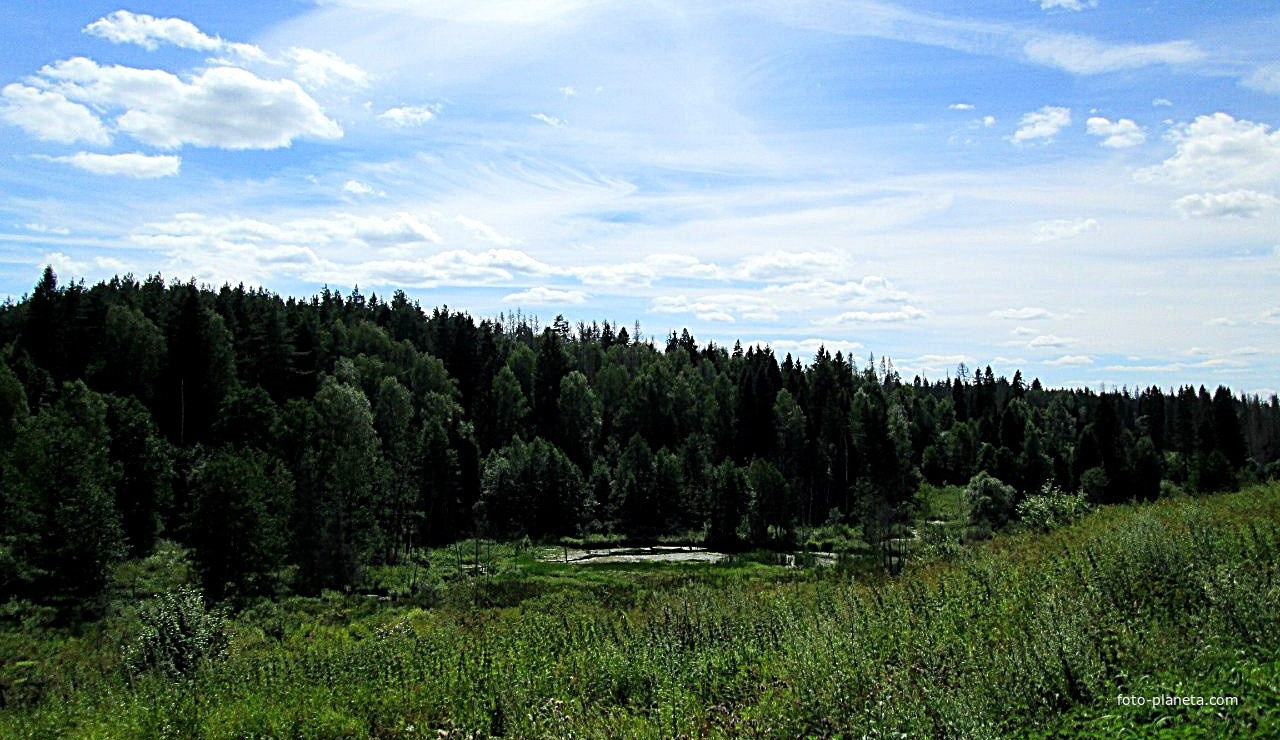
point(990, 500)
point(178, 634)
point(1051, 508)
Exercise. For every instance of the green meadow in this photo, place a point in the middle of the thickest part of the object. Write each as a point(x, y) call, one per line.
point(1027, 634)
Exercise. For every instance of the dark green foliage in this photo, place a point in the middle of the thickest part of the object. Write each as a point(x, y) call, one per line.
point(62, 526)
point(532, 489)
point(237, 524)
point(336, 507)
point(398, 427)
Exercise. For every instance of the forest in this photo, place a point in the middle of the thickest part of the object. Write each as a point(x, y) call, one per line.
point(224, 513)
point(292, 445)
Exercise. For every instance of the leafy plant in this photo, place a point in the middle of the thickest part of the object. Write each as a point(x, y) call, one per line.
point(178, 634)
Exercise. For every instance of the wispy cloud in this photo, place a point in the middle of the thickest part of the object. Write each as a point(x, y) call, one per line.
point(136, 164)
point(1058, 229)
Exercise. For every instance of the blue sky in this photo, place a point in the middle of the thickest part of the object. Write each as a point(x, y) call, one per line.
point(1088, 190)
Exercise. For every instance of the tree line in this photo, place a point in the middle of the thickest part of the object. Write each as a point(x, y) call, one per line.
point(293, 443)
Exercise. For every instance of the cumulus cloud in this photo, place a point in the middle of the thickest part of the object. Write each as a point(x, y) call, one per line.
point(49, 116)
point(1265, 79)
point(1028, 313)
point(408, 115)
point(544, 296)
point(357, 187)
point(1048, 231)
point(960, 106)
point(136, 164)
point(224, 107)
point(1234, 204)
point(1161, 102)
point(1118, 135)
point(1043, 124)
point(1049, 341)
point(124, 27)
point(1219, 151)
point(1088, 56)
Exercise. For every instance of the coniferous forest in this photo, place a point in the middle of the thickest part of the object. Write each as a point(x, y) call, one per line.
point(340, 432)
point(291, 446)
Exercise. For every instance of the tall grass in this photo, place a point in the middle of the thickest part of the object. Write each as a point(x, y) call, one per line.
point(1023, 635)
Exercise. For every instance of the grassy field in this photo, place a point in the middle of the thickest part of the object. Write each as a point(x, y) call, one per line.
point(1025, 635)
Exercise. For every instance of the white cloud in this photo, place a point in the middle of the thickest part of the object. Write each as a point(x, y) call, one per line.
point(49, 116)
point(960, 106)
point(357, 187)
point(804, 350)
point(40, 228)
point(1234, 204)
point(779, 265)
point(1120, 134)
point(549, 120)
point(1047, 231)
point(1086, 56)
point(652, 267)
point(123, 27)
point(319, 69)
point(988, 121)
point(1042, 124)
point(906, 313)
point(704, 310)
point(224, 107)
point(1067, 4)
point(1049, 341)
point(196, 231)
point(543, 296)
point(1070, 361)
point(136, 164)
point(1265, 79)
point(408, 115)
point(1220, 321)
point(568, 91)
point(484, 231)
point(1220, 151)
point(1029, 313)
point(1161, 102)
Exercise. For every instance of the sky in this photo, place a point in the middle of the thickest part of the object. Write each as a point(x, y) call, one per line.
point(1086, 190)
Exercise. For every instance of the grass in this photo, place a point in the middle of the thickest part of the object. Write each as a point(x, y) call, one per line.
point(1026, 635)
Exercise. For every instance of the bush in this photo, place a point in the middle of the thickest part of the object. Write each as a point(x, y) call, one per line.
point(1051, 508)
point(178, 634)
point(990, 500)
